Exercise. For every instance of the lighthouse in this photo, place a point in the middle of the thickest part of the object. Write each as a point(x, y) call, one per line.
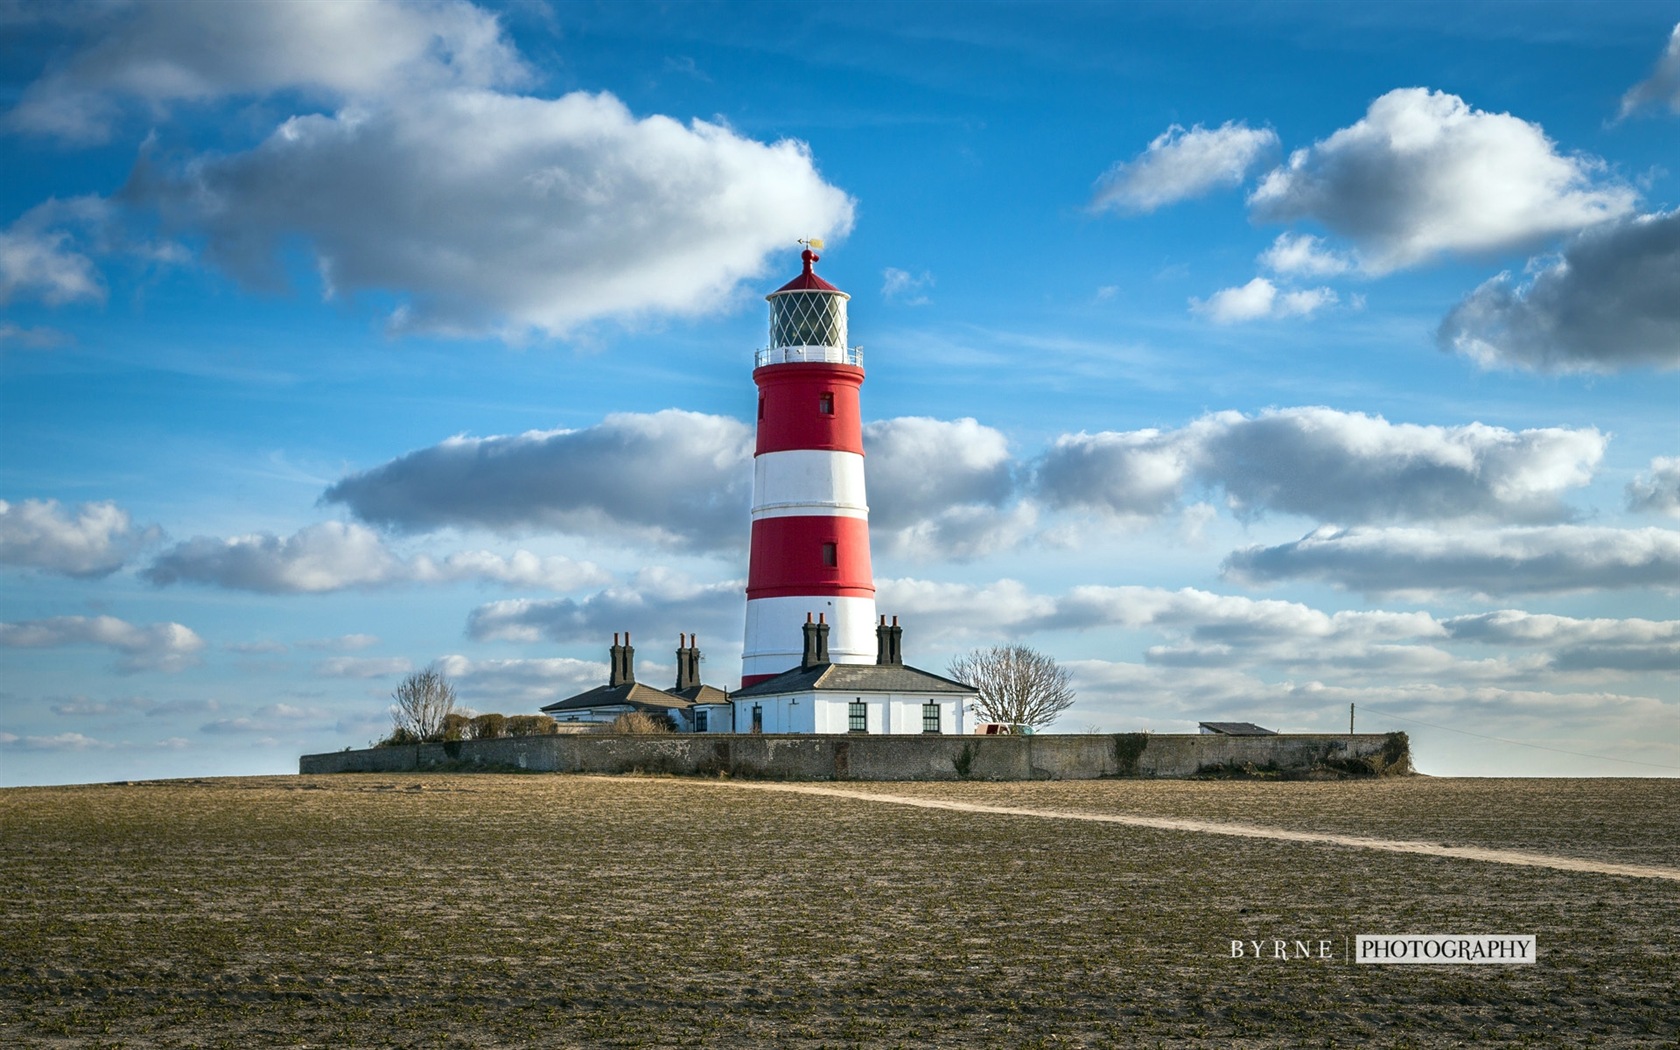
point(809, 559)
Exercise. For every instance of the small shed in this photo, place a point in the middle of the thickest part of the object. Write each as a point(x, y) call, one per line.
point(1236, 729)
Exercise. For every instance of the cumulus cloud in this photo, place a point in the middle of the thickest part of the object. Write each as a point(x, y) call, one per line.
point(1658, 490)
point(94, 540)
point(678, 479)
point(1319, 462)
point(520, 684)
point(1418, 562)
point(165, 647)
point(160, 54)
point(1304, 256)
point(1662, 87)
point(1423, 174)
point(1578, 644)
point(334, 556)
point(43, 257)
point(1259, 299)
point(500, 214)
point(658, 604)
point(942, 489)
point(1181, 164)
point(1610, 301)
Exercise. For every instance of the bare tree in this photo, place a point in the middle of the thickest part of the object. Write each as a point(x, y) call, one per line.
point(421, 704)
point(1019, 686)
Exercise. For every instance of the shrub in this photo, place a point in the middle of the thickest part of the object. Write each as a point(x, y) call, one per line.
point(488, 727)
point(531, 725)
point(643, 722)
point(399, 736)
point(455, 726)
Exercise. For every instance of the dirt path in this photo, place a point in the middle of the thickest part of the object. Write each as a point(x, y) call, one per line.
point(1247, 831)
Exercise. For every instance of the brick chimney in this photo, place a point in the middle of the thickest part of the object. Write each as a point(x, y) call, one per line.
point(889, 643)
point(816, 643)
point(623, 662)
point(688, 661)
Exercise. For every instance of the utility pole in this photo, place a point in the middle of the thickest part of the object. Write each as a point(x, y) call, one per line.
point(1350, 720)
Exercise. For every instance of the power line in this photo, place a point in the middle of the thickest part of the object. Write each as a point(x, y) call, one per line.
point(1521, 743)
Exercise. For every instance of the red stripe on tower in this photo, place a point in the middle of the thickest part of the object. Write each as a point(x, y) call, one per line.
point(810, 520)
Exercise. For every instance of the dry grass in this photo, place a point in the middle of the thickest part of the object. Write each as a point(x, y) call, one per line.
point(482, 910)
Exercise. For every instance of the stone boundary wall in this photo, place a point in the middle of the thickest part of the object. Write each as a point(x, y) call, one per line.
point(860, 757)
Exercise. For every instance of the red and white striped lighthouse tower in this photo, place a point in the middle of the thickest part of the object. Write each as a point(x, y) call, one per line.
point(810, 521)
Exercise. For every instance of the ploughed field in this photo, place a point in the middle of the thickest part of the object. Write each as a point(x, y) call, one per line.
point(550, 910)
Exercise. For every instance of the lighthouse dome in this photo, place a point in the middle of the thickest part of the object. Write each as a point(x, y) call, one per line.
point(808, 320)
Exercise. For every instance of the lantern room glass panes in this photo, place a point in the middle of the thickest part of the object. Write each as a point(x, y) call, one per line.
point(808, 319)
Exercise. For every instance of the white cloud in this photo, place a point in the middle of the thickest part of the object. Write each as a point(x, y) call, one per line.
point(1304, 256)
point(1322, 463)
point(657, 603)
point(941, 489)
point(95, 541)
point(677, 479)
point(1609, 302)
point(521, 685)
point(1662, 87)
point(1259, 299)
point(519, 569)
point(363, 666)
point(1659, 491)
point(37, 338)
point(1181, 164)
point(963, 612)
point(1423, 174)
point(42, 256)
point(165, 647)
point(683, 480)
point(334, 556)
point(1420, 562)
point(1578, 644)
point(56, 742)
point(903, 286)
point(162, 53)
point(498, 214)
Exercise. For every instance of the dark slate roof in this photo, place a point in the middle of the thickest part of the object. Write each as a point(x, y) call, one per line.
point(701, 694)
point(854, 678)
point(634, 694)
point(1237, 729)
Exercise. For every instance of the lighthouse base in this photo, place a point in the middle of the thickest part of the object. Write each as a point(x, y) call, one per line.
point(775, 639)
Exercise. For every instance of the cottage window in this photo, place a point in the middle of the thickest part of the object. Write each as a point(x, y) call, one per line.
point(930, 717)
point(758, 718)
point(857, 717)
point(700, 721)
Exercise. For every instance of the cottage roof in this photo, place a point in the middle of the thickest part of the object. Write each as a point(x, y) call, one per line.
point(701, 694)
point(633, 694)
point(854, 678)
point(1237, 729)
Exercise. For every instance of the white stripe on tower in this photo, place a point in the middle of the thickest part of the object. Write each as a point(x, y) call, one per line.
point(810, 517)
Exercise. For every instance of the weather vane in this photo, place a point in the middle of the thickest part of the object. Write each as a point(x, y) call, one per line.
point(813, 243)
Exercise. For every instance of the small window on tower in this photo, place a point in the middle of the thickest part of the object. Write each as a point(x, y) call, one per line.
point(831, 555)
point(761, 407)
point(825, 404)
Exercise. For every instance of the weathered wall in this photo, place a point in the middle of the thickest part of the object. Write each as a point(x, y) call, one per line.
point(861, 757)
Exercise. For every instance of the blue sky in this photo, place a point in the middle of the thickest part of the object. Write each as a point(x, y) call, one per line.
point(1253, 360)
